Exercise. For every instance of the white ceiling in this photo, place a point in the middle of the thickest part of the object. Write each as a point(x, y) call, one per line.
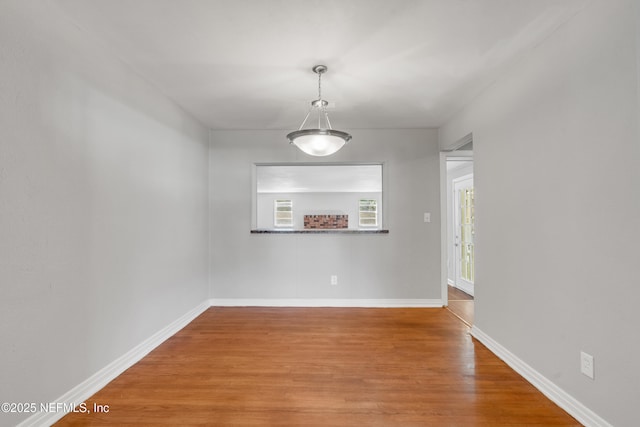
point(457, 164)
point(246, 64)
point(318, 178)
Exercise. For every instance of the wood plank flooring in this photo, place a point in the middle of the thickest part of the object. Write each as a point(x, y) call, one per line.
point(322, 367)
point(458, 295)
point(461, 304)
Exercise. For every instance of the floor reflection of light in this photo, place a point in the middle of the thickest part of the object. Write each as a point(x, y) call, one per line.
point(468, 362)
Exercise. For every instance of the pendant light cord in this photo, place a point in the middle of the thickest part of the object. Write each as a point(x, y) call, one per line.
point(322, 110)
point(319, 104)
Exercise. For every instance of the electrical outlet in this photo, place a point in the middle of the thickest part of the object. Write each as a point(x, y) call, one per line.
point(334, 280)
point(586, 364)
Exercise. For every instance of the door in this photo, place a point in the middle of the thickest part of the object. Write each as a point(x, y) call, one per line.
point(464, 233)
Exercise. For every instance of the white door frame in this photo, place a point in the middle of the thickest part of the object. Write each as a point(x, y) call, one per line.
point(444, 223)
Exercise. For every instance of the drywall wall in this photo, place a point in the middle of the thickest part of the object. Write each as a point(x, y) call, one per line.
point(103, 207)
point(316, 204)
point(556, 153)
point(404, 264)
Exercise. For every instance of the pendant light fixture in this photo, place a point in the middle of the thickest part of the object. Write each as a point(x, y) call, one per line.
point(323, 140)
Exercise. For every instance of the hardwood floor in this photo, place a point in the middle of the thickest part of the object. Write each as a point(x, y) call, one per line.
point(322, 367)
point(458, 295)
point(461, 304)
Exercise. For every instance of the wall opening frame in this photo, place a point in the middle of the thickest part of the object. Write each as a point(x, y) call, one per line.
point(326, 196)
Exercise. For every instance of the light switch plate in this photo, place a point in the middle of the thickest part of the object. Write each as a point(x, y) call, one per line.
point(427, 217)
point(586, 364)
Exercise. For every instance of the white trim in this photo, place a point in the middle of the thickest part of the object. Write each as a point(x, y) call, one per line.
point(459, 143)
point(296, 302)
point(461, 288)
point(97, 381)
point(254, 197)
point(461, 155)
point(560, 397)
point(464, 287)
point(444, 220)
point(444, 214)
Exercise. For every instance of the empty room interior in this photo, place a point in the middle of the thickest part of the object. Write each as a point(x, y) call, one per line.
point(358, 212)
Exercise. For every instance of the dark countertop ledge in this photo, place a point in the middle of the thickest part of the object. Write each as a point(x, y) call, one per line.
point(320, 231)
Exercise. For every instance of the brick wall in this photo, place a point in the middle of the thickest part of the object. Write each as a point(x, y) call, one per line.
point(326, 221)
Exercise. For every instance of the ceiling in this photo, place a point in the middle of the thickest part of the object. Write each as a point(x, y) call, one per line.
point(457, 164)
point(319, 178)
point(246, 64)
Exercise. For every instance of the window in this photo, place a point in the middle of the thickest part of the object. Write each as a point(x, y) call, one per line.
point(368, 213)
point(283, 213)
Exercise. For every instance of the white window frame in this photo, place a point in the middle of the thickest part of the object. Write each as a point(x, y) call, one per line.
point(282, 221)
point(361, 211)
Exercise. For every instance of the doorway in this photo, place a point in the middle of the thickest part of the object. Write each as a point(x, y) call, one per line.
point(463, 233)
point(460, 232)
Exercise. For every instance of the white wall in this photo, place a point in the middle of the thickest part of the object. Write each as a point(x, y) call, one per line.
point(556, 154)
point(103, 207)
point(343, 203)
point(405, 264)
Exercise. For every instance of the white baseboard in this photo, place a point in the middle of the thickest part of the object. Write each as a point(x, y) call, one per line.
point(294, 302)
point(97, 381)
point(560, 397)
point(464, 288)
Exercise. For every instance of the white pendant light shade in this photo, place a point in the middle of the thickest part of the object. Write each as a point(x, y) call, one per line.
point(320, 141)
